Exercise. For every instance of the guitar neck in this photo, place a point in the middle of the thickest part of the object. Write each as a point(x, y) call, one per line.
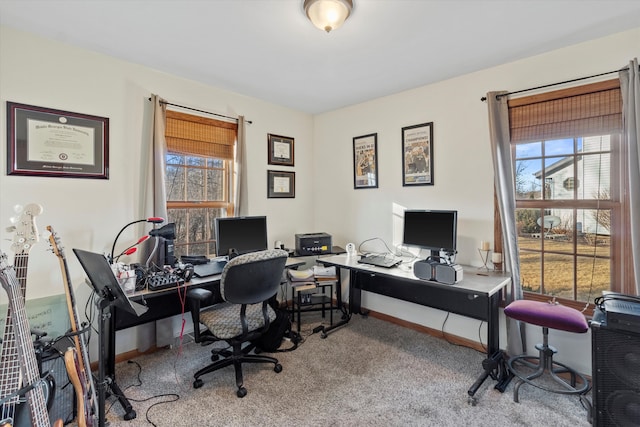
point(29, 366)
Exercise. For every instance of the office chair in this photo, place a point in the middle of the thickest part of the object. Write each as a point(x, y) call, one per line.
point(247, 283)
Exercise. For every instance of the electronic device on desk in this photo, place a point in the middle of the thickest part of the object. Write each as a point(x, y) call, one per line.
point(160, 280)
point(438, 269)
point(313, 244)
point(212, 268)
point(619, 311)
point(379, 260)
point(240, 235)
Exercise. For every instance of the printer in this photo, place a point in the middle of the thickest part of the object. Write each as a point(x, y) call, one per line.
point(313, 244)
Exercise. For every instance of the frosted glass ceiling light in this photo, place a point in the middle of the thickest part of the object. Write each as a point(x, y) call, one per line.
point(328, 15)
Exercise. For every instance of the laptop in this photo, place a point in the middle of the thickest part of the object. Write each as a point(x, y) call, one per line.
point(379, 260)
point(104, 281)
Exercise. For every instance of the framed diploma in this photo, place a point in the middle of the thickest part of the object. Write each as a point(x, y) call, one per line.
point(280, 150)
point(281, 184)
point(47, 142)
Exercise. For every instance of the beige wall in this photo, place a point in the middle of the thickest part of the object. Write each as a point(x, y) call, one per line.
point(88, 213)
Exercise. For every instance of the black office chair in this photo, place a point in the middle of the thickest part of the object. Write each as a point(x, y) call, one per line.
point(247, 283)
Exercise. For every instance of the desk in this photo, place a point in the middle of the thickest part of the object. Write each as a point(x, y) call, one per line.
point(162, 304)
point(476, 296)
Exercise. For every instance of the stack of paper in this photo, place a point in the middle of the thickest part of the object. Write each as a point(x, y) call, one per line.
point(324, 273)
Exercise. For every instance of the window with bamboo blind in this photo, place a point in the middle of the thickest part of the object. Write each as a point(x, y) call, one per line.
point(571, 217)
point(199, 184)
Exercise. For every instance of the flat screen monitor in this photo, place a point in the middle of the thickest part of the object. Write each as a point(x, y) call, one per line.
point(435, 230)
point(242, 234)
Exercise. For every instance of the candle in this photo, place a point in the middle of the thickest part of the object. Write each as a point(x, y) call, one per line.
point(484, 245)
point(496, 257)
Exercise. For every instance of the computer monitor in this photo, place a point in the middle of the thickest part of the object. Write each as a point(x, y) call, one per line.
point(240, 234)
point(435, 230)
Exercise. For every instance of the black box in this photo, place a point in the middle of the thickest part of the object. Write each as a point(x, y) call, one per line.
point(313, 244)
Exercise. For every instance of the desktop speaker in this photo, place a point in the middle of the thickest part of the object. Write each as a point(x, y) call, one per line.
point(616, 374)
point(424, 269)
point(447, 273)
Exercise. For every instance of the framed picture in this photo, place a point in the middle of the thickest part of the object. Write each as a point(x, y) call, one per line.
point(417, 155)
point(280, 150)
point(281, 184)
point(47, 142)
point(365, 161)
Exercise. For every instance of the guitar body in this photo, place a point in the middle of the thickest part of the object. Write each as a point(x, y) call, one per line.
point(77, 357)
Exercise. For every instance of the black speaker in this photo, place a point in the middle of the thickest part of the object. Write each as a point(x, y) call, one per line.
point(616, 374)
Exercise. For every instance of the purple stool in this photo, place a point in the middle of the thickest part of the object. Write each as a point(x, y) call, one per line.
point(529, 368)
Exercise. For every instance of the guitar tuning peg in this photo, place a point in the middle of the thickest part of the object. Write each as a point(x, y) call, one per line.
point(11, 229)
point(18, 209)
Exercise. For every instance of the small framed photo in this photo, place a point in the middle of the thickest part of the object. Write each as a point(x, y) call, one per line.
point(417, 155)
point(280, 150)
point(55, 143)
point(365, 161)
point(281, 184)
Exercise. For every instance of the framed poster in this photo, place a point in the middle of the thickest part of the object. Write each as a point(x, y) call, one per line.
point(281, 184)
point(417, 155)
point(280, 150)
point(47, 142)
point(365, 161)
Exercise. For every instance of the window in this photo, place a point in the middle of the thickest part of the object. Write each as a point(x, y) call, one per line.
point(199, 179)
point(570, 207)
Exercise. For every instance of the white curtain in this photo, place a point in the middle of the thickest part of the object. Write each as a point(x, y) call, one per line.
point(630, 88)
point(154, 203)
point(504, 187)
point(241, 192)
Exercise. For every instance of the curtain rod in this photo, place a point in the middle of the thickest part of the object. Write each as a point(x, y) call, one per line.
point(484, 98)
point(202, 111)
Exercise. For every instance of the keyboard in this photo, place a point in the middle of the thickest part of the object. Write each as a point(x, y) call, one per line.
point(379, 261)
point(209, 269)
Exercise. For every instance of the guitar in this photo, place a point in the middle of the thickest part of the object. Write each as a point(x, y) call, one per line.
point(25, 236)
point(78, 368)
point(26, 353)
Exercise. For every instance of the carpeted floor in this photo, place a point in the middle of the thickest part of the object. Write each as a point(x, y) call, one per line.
point(370, 372)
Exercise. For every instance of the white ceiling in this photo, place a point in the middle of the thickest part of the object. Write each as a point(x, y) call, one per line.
point(267, 49)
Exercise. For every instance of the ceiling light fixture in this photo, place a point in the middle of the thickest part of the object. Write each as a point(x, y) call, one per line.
point(328, 15)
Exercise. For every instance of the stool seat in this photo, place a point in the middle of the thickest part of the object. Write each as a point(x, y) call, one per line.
point(542, 371)
point(548, 315)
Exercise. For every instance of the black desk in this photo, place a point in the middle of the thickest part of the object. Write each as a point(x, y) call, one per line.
point(476, 296)
point(162, 304)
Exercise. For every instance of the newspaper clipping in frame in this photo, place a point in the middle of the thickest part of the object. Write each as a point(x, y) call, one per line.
point(365, 159)
point(417, 145)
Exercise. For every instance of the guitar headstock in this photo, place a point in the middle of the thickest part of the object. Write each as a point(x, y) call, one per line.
point(26, 232)
point(54, 241)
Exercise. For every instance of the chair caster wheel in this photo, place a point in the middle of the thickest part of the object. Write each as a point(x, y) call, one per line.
point(472, 401)
point(242, 392)
point(214, 357)
point(197, 384)
point(277, 368)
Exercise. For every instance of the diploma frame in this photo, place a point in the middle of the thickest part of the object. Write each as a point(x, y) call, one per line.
point(281, 150)
point(417, 155)
point(281, 184)
point(55, 143)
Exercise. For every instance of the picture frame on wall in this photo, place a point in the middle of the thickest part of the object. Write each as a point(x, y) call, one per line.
point(281, 150)
point(54, 143)
point(417, 155)
point(365, 161)
point(281, 184)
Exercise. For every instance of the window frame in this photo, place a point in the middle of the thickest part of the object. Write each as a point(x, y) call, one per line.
point(621, 270)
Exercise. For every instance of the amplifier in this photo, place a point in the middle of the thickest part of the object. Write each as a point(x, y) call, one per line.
point(163, 280)
point(313, 244)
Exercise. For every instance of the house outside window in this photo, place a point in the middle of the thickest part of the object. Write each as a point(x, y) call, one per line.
point(570, 208)
point(199, 179)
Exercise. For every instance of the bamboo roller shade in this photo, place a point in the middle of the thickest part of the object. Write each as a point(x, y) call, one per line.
point(189, 134)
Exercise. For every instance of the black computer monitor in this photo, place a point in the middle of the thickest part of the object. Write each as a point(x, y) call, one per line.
point(435, 230)
point(240, 235)
point(104, 282)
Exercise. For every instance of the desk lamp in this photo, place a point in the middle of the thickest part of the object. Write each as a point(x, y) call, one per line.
point(153, 220)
